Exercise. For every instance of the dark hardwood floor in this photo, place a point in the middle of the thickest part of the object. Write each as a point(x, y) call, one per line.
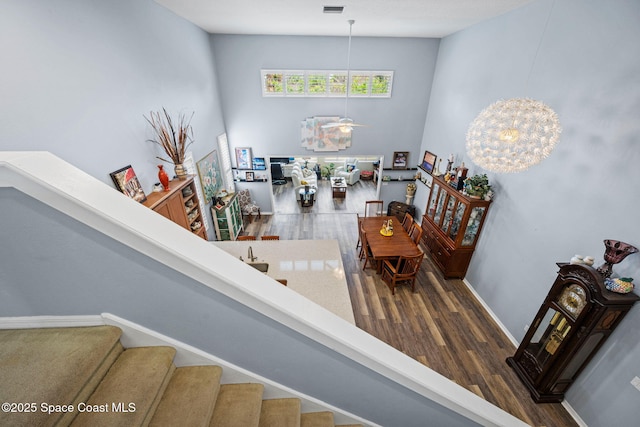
point(441, 325)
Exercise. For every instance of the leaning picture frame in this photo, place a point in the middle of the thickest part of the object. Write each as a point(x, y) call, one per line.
point(400, 160)
point(244, 159)
point(428, 162)
point(127, 182)
point(249, 176)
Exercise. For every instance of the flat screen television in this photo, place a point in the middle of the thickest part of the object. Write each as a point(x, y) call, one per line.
point(283, 160)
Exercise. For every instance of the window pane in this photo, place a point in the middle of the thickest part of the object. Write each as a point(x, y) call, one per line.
point(317, 84)
point(273, 83)
point(337, 83)
point(359, 84)
point(295, 84)
point(380, 84)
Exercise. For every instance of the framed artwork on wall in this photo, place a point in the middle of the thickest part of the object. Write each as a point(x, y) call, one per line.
point(400, 159)
point(210, 176)
point(428, 161)
point(126, 181)
point(249, 176)
point(244, 160)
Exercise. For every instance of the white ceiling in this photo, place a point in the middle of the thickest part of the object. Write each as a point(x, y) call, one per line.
point(382, 18)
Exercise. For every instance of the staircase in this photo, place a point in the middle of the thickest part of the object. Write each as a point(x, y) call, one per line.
point(83, 376)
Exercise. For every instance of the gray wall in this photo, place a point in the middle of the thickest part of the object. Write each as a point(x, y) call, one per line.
point(271, 126)
point(588, 70)
point(78, 76)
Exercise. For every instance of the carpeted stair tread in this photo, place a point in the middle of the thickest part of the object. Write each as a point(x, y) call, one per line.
point(54, 366)
point(238, 405)
point(189, 398)
point(280, 413)
point(139, 377)
point(317, 419)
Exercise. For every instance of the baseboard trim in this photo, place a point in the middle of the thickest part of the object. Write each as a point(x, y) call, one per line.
point(31, 322)
point(515, 342)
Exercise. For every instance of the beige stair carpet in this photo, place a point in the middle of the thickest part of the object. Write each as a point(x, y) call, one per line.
point(190, 397)
point(55, 366)
point(238, 405)
point(280, 413)
point(317, 419)
point(138, 378)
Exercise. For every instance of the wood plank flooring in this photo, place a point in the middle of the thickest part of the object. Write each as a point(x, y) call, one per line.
point(441, 325)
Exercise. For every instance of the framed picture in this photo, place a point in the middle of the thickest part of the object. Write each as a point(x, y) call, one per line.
point(244, 160)
point(428, 161)
point(259, 164)
point(400, 159)
point(125, 180)
point(210, 176)
point(249, 176)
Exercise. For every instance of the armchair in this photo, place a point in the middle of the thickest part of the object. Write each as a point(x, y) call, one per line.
point(349, 171)
point(246, 204)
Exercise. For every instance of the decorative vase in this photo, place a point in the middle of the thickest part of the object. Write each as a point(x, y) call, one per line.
point(163, 177)
point(615, 252)
point(180, 171)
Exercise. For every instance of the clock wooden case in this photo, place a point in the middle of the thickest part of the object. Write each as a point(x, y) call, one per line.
point(576, 318)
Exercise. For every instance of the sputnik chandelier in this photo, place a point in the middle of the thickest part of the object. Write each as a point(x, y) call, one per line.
point(512, 135)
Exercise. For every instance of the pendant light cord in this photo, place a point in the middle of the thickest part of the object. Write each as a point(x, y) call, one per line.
point(346, 100)
point(535, 56)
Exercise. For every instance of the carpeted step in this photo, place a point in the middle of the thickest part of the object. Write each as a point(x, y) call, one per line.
point(317, 419)
point(130, 392)
point(189, 398)
point(55, 366)
point(280, 413)
point(238, 405)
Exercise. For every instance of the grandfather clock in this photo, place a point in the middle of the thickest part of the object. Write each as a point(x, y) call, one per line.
point(576, 318)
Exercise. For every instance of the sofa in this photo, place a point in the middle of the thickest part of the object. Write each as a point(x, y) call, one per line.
point(301, 177)
point(349, 171)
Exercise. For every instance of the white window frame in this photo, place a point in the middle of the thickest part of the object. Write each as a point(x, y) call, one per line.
point(327, 74)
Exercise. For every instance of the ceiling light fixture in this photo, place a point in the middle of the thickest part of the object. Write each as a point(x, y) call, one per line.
point(345, 124)
point(514, 134)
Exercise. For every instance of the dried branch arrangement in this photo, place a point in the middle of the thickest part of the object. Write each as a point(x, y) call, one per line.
point(173, 138)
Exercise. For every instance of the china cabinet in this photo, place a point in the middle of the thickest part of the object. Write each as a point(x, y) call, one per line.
point(451, 226)
point(575, 319)
point(228, 218)
point(180, 204)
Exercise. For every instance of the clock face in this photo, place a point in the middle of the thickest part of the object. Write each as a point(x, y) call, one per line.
point(573, 299)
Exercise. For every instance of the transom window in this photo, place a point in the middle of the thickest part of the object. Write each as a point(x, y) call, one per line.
point(365, 84)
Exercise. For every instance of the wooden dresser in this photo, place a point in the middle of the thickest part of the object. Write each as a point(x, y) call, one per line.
point(451, 225)
point(180, 204)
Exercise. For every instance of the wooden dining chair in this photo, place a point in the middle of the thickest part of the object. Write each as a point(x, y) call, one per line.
point(282, 281)
point(359, 242)
point(366, 253)
point(246, 238)
point(270, 238)
point(415, 232)
point(407, 222)
point(373, 208)
point(404, 270)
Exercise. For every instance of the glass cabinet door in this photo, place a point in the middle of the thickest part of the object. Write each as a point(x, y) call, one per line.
point(448, 215)
point(473, 225)
point(432, 200)
point(457, 220)
point(442, 195)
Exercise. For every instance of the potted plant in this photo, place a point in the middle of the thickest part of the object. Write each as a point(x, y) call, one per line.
point(173, 137)
point(477, 186)
point(327, 170)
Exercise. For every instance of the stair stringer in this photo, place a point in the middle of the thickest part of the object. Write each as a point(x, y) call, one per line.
point(135, 335)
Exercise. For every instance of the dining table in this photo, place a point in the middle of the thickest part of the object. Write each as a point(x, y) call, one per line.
point(387, 247)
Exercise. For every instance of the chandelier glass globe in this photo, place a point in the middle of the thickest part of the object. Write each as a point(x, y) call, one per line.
point(512, 135)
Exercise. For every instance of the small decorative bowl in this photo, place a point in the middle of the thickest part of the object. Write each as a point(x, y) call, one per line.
point(620, 286)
